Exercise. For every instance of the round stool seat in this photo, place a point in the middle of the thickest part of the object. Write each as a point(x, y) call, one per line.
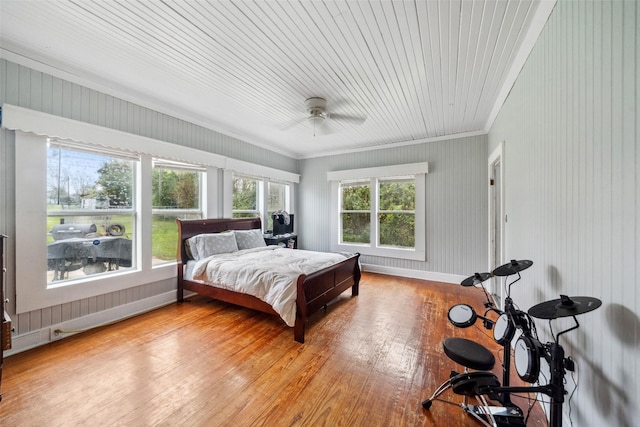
point(469, 354)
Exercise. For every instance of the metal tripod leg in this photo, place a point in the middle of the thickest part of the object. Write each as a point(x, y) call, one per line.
point(426, 404)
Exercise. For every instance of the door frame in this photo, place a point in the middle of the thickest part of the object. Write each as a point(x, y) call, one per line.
point(496, 158)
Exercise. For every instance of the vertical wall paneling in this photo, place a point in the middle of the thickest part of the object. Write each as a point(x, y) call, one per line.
point(456, 215)
point(570, 126)
point(24, 87)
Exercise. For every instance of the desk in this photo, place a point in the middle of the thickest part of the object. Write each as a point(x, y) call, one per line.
point(289, 240)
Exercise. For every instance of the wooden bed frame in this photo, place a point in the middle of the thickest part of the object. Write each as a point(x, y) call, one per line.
point(314, 291)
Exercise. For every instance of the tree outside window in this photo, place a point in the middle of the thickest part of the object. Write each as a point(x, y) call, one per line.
point(176, 193)
point(245, 197)
point(259, 197)
point(276, 200)
point(90, 212)
point(355, 213)
point(397, 212)
point(391, 201)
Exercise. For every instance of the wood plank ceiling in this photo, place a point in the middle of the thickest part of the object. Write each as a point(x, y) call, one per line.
point(415, 70)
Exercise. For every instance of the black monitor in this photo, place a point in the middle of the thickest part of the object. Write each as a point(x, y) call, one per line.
point(279, 226)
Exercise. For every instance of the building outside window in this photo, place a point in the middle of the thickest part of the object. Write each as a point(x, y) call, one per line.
point(91, 212)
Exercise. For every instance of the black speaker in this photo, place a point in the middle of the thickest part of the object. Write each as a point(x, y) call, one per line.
point(279, 226)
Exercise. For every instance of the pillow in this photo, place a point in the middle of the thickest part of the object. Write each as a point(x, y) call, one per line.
point(204, 245)
point(249, 239)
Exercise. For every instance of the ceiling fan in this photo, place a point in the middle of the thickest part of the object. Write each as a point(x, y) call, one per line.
point(319, 118)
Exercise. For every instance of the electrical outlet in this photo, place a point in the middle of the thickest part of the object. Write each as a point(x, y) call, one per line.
point(54, 334)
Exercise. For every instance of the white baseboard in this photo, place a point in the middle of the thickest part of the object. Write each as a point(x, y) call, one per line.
point(414, 274)
point(43, 336)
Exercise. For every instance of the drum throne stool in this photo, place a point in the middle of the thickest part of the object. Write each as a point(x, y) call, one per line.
point(474, 356)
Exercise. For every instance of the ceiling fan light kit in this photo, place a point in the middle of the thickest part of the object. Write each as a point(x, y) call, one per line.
point(318, 116)
point(316, 108)
point(316, 105)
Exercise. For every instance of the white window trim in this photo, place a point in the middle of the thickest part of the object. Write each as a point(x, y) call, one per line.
point(32, 128)
point(262, 195)
point(419, 170)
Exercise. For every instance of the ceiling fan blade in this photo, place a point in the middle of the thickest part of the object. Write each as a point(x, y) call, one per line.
point(290, 125)
point(325, 129)
point(354, 120)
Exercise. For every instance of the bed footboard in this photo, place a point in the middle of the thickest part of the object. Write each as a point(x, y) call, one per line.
point(314, 291)
point(318, 289)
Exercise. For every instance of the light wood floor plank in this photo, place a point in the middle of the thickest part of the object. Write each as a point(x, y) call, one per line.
point(368, 361)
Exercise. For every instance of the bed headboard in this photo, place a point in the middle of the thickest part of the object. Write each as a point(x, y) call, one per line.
point(191, 227)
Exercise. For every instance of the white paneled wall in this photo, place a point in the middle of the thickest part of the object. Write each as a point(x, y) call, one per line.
point(27, 88)
point(570, 127)
point(456, 194)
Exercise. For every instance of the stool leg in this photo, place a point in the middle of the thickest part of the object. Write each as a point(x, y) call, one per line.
point(443, 387)
point(426, 404)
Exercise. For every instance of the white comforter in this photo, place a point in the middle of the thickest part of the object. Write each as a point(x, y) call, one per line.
point(268, 273)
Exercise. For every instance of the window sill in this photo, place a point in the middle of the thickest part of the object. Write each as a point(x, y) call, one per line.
point(386, 252)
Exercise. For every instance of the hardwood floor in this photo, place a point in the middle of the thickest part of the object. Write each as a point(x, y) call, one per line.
point(369, 361)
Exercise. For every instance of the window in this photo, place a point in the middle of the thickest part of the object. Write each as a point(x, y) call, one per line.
point(91, 212)
point(246, 196)
point(355, 213)
point(393, 207)
point(102, 180)
point(251, 200)
point(378, 212)
point(397, 212)
point(277, 200)
point(176, 193)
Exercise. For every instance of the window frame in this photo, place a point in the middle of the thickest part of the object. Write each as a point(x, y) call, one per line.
point(30, 130)
point(198, 213)
point(132, 211)
point(416, 170)
point(262, 197)
point(257, 212)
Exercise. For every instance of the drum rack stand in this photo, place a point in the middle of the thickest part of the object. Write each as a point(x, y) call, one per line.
point(509, 414)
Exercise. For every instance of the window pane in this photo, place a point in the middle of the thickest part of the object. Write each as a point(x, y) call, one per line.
point(397, 195)
point(175, 189)
point(164, 243)
point(86, 180)
point(356, 227)
point(276, 199)
point(245, 194)
point(96, 235)
point(356, 196)
point(80, 246)
point(244, 215)
point(397, 229)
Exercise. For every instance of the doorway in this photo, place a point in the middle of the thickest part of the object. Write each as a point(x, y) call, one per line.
point(497, 220)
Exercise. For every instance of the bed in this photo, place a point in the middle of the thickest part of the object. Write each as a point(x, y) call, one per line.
point(311, 290)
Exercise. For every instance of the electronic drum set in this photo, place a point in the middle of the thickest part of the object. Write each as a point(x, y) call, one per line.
point(478, 381)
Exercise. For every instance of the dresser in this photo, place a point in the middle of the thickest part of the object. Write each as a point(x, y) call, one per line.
point(5, 331)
